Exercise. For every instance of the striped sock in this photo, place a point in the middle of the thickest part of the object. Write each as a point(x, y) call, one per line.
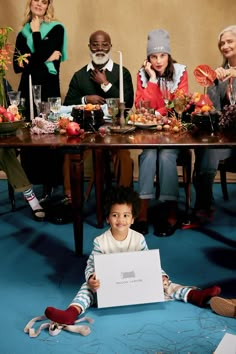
point(31, 199)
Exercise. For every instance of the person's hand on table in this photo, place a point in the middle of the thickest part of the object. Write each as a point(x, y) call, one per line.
point(95, 99)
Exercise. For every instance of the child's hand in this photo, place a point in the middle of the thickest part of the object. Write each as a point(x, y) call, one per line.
point(94, 283)
point(165, 281)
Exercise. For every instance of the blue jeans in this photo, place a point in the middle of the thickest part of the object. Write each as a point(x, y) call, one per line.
point(207, 160)
point(206, 164)
point(168, 176)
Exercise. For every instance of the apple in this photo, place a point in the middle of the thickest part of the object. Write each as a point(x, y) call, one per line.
point(81, 131)
point(2, 110)
point(102, 130)
point(73, 128)
point(9, 117)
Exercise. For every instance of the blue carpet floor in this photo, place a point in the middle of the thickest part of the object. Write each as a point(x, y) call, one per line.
point(39, 268)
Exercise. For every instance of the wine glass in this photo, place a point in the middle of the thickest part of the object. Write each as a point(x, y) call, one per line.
point(164, 91)
point(113, 108)
point(232, 94)
point(14, 97)
point(144, 106)
point(55, 106)
point(37, 97)
point(44, 109)
point(179, 106)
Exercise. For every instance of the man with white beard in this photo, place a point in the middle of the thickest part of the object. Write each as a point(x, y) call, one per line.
point(95, 82)
point(99, 79)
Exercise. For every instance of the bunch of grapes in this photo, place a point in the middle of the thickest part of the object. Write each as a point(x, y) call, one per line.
point(228, 118)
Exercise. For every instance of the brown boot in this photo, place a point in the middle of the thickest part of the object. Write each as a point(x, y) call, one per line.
point(223, 307)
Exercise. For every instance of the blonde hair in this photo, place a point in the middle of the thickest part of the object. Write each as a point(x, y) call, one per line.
point(48, 17)
point(231, 29)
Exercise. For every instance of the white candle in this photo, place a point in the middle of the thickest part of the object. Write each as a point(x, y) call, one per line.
point(121, 78)
point(31, 99)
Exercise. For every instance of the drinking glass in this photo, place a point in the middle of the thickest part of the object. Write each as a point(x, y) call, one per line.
point(113, 108)
point(179, 106)
point(14, 97)
point(44, 109)
point(232, 94)
point(37, 97)
point(144, 105)
point(55, 106)
point(164, 91)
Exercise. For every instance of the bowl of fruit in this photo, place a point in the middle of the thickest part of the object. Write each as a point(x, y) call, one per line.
point(205, 117)
point(10, 120)
point(88, 116)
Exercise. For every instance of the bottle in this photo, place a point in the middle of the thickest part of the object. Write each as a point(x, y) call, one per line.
point(22, 108)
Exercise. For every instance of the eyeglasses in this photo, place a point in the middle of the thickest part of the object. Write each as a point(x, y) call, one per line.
point(100, 45)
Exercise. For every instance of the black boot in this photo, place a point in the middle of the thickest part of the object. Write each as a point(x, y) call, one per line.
point(203, 184)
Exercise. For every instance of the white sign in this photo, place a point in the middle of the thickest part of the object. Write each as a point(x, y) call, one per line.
point(129, 278)
point(227, 345)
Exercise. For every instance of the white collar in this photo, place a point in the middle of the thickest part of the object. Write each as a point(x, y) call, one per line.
point(173, 84)
point(108, 66)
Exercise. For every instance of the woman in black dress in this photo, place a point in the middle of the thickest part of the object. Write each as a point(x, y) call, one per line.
point(44, 39)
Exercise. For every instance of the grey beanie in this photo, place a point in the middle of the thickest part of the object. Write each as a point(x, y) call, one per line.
point(158, 42)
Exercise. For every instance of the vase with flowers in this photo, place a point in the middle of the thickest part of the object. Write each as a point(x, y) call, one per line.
point(5, 61)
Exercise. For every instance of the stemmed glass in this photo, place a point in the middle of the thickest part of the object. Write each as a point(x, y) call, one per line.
point(232, 94)
point(164, 91)
point(113, 108)
point(14, 97)
point(37, 97)
point(55, 106)
point(179, 106)
point(44, 109)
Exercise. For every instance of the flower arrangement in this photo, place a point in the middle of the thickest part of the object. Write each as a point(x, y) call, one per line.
point(228, 118)
point(11, 113)
point(5, 61)
point(5, 49)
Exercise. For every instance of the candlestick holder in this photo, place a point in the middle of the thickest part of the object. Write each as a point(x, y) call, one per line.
point(122, 114)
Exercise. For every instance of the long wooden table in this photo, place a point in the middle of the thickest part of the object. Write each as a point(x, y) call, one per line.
point(75, 146)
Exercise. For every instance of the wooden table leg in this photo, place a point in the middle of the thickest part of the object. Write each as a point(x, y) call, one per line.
point(77, 191)
point(98, 168)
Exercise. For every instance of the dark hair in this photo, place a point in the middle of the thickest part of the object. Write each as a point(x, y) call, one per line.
point(169, 71)
point(121, 195)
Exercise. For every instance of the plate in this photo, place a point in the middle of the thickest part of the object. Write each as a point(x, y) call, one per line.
point(10, 128)
point(143, 125)
point(125, 129)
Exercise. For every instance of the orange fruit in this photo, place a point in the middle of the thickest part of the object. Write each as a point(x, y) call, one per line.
point(206, 108)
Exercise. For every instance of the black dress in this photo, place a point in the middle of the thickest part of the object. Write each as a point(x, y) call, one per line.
point(42, 166)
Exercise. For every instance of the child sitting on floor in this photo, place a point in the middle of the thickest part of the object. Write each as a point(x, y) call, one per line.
point(121, 207)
